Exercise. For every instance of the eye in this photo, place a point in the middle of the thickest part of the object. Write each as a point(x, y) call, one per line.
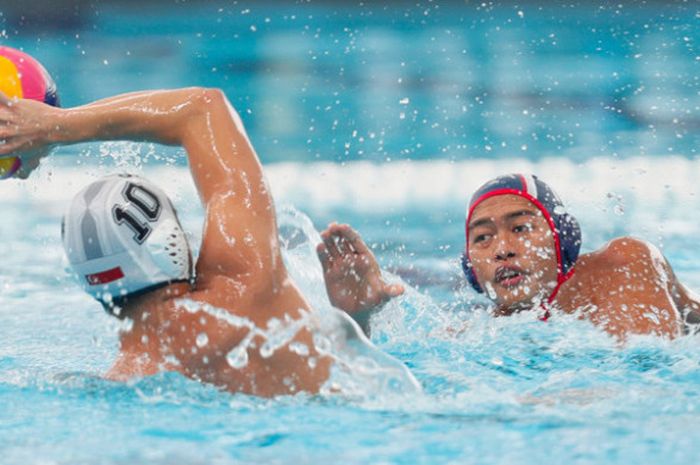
point(481, 238)
point(526, 227)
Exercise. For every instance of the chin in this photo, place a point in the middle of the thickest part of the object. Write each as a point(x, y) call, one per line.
point(514, 303)
point(510, 307)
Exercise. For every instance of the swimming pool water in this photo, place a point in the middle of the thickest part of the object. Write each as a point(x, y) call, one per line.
point(600, 102)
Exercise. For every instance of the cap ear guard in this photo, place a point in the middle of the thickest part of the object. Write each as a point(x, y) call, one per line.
point(468, 270)
point(169, 249)
point(569, 232)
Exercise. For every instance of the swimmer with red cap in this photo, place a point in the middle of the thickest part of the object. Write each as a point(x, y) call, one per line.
point(522, 251)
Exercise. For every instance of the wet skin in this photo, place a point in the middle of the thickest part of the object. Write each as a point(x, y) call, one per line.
point(511, 248)
point(626, 287)
point(353, 279)
point(239, 269)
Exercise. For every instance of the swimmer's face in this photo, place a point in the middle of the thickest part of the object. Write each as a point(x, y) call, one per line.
point(511, 248)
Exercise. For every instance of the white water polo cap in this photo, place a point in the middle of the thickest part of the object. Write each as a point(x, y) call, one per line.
point(122, 238)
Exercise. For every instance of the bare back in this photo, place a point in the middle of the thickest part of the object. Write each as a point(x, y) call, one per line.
point(199, 334)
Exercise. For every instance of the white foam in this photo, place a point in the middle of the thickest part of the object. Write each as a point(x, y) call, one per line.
point(654, 182)
point(408, 185)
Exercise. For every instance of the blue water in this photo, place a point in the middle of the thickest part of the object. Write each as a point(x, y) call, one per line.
point(386, 117)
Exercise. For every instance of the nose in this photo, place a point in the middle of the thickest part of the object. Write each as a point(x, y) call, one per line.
point(504, 255)
point(504, 249)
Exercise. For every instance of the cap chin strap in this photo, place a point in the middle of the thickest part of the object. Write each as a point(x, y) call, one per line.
point(545, 305)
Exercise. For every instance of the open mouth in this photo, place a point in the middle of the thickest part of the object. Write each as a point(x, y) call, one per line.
point(509, 276)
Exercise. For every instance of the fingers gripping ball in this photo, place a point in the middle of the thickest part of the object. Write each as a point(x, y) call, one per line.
point(9, 166)
point(21, 76)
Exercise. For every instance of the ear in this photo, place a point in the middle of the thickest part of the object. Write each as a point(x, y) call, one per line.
point(469, 273)
point(570, 241)
point(466, 264)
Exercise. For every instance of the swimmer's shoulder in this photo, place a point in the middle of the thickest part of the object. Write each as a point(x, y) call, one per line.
point(618, 253)
point(606, 262)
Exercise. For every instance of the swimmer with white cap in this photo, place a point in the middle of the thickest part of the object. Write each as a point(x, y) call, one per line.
point(124, 241)
point(522, 251)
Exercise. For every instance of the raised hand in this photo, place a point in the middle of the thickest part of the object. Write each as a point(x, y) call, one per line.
point(353, 279)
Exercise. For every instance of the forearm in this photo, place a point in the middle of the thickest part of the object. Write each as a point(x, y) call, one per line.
point(155, 116)
point(200, 120)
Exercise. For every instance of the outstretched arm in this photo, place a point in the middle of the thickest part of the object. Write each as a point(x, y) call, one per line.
point(201, 120)
point(224, 165)
point(353, 279)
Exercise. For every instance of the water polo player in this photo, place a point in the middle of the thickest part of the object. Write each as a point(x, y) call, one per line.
point(522, 251)
point(211, 320)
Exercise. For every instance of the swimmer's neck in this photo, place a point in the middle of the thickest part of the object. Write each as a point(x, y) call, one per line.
point(135, 307)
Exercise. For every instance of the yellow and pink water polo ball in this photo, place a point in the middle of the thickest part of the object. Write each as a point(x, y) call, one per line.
point(22, 76)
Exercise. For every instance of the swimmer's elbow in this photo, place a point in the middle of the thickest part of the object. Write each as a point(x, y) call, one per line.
point(201, 109)
point(191, 102)
point(212, 104)
point(206, 98)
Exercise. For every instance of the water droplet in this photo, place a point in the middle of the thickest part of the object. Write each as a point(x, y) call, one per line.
point(238, 357)
point(322, 343)
point(490, 290)
point(299, 348)
point(202, 339)
point(267, 350)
